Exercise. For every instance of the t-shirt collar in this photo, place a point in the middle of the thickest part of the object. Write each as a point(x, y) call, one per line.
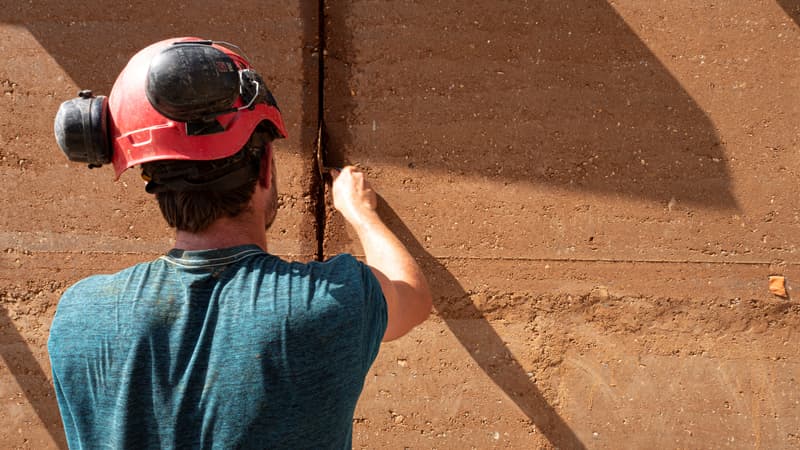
point(211, 257)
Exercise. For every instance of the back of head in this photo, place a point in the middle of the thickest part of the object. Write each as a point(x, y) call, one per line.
point(193, 194)
point(194, 114)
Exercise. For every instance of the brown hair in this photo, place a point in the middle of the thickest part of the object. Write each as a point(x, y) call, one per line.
point(194, 210)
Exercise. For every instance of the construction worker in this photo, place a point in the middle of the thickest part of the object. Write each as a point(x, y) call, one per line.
point(218, 343)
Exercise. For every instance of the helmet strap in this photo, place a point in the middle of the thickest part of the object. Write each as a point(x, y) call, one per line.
point(222, 175)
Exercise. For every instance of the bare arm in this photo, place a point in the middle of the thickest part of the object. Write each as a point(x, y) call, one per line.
point(408, 296)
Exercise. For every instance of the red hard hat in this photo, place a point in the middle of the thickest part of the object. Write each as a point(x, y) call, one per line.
point(140, 134)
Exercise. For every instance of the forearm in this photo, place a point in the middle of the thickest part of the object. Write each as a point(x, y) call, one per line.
point(408, 298)
point(385, 252)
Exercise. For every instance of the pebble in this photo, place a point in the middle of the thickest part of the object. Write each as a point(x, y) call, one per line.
point(599, 293)
point(777, 286)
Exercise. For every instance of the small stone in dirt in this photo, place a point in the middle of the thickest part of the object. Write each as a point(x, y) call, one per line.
point(399, 418)
point(777, 286)
point(600, 293)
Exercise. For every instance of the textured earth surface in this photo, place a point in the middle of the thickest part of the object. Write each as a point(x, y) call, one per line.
point(597, 190)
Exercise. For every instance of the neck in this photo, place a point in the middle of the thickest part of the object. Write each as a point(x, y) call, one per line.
point(225, 232)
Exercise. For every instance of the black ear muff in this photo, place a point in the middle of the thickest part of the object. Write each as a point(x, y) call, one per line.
point(192, 82)
point(81, 129)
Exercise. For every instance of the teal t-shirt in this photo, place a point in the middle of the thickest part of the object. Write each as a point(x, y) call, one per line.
point(226, 348)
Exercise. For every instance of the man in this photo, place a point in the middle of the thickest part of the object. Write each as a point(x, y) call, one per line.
point(219, 344)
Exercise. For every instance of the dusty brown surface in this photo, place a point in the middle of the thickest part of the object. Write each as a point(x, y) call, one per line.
point(598, 192)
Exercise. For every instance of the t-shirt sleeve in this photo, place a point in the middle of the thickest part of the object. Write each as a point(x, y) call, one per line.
point(375, 316)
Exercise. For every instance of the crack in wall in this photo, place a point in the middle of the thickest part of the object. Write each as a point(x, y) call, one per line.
point(317, 180)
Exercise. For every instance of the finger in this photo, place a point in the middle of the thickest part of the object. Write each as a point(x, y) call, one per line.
point(353, 168)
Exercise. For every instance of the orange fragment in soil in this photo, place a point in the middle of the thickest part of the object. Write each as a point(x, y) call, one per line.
point(777, 285)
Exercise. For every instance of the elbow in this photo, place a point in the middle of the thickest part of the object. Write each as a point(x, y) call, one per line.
point(422, 310)
point(419, 301)
point(401, 321)
point(426, 306)
point(423, 302)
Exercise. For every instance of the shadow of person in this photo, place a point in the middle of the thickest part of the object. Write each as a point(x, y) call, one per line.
point(482, 342)
point(31, 378)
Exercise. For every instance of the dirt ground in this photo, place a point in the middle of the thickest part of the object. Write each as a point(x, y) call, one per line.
point(597, 190)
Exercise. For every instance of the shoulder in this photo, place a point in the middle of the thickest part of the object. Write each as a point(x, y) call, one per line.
point(92, 295)
point(92, 303)
point(343, 261)
point(341, 275)
point(341, 266)
point(344, 268)
point(104, 284)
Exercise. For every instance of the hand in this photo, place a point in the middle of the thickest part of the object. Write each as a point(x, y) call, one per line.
point(408, 297)
point(352, 195)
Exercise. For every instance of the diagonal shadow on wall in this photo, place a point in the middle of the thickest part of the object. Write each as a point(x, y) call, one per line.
point(792, 8)
point(483, 343)
point(93, 45)
point(19, 359)
point(556, 93)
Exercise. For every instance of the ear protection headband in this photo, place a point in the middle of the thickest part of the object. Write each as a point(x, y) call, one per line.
point(188, 81)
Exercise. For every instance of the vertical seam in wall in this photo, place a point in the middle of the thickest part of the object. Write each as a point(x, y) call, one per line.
point(317, 182)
